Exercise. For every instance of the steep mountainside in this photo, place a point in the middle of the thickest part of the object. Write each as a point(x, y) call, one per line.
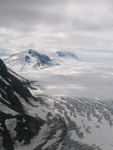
point(15, 123)
point(26, 122)
point(28, 59)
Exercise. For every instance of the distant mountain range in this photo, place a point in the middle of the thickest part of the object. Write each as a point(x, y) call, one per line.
point(65, 54)
point(29, 59)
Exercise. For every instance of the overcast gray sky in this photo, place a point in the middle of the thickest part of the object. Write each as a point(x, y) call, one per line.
point(78, 25)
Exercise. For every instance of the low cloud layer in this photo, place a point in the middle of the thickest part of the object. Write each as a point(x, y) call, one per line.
point(61, 24)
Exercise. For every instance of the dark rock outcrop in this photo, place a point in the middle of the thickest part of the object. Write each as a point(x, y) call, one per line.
point(15, 123)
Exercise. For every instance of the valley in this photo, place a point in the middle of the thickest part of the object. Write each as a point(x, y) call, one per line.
point(74, 78)
point(71, 101)
point(56, 75)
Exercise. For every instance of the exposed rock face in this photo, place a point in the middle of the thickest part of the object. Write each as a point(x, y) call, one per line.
point(43, 58)
point(15, 124)
point(24, 118)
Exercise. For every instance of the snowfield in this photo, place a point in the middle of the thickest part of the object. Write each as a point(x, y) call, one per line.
point(74, 78)
point(84, 124)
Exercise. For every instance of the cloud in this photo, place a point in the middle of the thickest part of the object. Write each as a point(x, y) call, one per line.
point(49, 24)
point(73, 14)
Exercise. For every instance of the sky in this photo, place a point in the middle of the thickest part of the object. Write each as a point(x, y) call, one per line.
point(82, 26)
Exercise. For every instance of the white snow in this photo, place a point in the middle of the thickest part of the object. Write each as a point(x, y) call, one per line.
point(10, 125)
point(99, 134)
point(36, 141)
point(6, 109)
point(74, 79)
point(18, 61)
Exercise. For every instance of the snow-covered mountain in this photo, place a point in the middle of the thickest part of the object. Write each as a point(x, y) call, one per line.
point(65, 54)
point(26, 122)
point(51, 123)
point(29, 59)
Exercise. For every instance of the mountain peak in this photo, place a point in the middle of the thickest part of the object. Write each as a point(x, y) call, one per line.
point(33, 52)
point(65, 54)
point(3, 68)
point(29, 59)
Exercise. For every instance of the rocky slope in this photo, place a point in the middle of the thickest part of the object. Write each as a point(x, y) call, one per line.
point(15, 123)
point(26, 122)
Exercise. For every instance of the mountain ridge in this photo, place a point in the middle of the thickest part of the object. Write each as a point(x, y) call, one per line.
point(66, 54)
point(28, 59)
point(15, 123)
